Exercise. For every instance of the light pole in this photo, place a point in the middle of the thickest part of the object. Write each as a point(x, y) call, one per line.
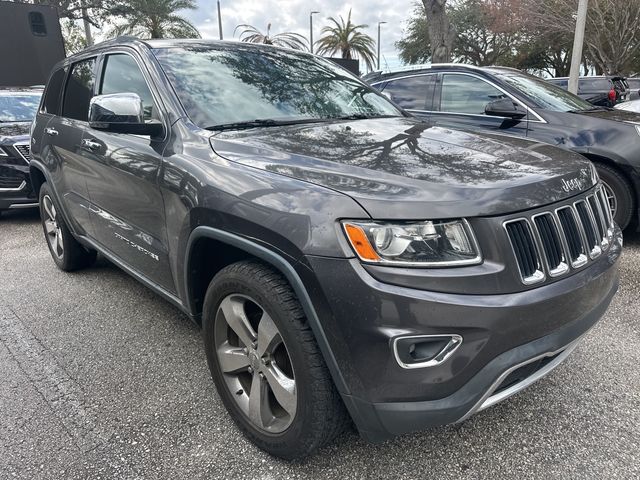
point(219, 20)
point(578, 40)
point(311, 30)
point(379, 23)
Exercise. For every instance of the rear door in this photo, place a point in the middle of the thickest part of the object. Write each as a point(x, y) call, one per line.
point(61, 138)
point(460, 102)
point(414, 93)
point(127, 210)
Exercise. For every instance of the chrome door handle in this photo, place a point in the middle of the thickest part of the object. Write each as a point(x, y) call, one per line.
point(91, 145)
point(51, 131)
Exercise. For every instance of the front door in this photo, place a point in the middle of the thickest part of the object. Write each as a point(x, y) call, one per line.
point(127, 209)
point(460, 102)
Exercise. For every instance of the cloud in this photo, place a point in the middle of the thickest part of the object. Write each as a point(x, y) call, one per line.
point(293, 16)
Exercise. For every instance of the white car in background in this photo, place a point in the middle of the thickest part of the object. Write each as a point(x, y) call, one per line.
point(631, 106)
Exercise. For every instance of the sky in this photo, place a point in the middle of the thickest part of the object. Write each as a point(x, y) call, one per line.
point(293, 16)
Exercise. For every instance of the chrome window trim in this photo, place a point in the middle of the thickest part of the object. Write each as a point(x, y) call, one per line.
point(539, 275)
point(519, 102)
point(16, 189)
point(469, 74)
point(442, 356)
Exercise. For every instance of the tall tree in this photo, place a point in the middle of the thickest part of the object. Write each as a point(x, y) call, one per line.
point(441, 32)
point(286, 39)
point(153, 18)
point(415, 45)
point(347, 39)
point(612, 35)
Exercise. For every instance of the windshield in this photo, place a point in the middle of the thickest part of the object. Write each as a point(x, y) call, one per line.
point(219, 85)
point(544, 95)
point(18, 107)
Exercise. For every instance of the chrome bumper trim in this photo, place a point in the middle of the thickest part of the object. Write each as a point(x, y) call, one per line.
point(23, 205)
point(17, 189)
point(489, 398)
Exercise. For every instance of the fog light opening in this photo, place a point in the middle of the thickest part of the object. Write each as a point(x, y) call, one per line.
point(423, 351)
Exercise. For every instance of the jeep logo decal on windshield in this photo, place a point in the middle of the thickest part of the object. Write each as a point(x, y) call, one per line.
point(572, 184)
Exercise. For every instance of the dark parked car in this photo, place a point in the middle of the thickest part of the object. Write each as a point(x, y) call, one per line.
point(504, 100)
point(343, 258)
point(18, 107)
point(603, 91)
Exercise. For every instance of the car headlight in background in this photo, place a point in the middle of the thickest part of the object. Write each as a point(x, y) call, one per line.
point(438, 243)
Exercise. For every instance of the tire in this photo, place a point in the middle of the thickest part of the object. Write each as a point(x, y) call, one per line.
point(620, 193)
point(294, 428)
point(65, 250)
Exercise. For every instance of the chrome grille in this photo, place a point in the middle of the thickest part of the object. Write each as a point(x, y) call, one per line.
point(551, 243)
point(24, 151)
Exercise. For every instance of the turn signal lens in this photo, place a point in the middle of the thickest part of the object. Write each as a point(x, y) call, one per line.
point(360, 243)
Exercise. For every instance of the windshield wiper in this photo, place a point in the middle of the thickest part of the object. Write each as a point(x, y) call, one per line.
point(260, 122)
point(591, 109)
point(359, 116)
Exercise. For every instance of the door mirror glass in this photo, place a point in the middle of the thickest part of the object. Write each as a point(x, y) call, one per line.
point(505, 107)
point(121, 113)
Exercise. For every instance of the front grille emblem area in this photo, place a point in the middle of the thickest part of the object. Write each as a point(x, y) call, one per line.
point(551, 243)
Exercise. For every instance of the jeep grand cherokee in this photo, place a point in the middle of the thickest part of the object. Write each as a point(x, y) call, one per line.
point(345, 260)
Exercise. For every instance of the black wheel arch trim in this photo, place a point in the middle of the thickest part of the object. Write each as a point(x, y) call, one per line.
point(36, 165)
point(285, 268)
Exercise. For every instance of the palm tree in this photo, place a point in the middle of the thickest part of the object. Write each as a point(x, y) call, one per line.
point(154, 19)
point(345, 37)
point(286, 39)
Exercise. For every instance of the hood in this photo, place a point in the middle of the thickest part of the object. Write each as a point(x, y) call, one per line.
point(402, 168)
point(613, 114)
point(10, 130)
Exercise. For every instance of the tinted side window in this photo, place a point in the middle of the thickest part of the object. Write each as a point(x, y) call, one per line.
point(122, 75)
point(590, 84)
point(38, 25)
point(51, 103)
point(466, 94)
point(79, 90)
point(412, 93)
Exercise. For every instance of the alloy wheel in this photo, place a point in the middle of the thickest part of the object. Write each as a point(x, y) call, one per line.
point(255, 363)
point(52, 228)
point(611, 198)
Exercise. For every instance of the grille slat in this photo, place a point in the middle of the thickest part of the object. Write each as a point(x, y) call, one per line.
point(551, 243)
point(587, 225)
point(524, 247)
point(566, 237)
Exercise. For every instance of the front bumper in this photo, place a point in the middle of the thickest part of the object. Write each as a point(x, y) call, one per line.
point(15, 186)
point(502, 334)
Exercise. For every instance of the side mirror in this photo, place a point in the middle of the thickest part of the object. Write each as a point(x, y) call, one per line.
point(505, 107)
point(121, 113)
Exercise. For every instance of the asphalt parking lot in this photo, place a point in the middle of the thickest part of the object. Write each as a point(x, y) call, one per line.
point(100, 378)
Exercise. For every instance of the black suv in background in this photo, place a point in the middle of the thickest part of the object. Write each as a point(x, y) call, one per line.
point(507, 101)
point(343, 258)
point(18, 107)
point(603, 91)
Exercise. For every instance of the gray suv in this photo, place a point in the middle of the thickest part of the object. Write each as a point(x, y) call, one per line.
point(346, 261)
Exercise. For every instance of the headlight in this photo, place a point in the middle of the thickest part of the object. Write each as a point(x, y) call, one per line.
point(3, 153)
point(440, 243)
